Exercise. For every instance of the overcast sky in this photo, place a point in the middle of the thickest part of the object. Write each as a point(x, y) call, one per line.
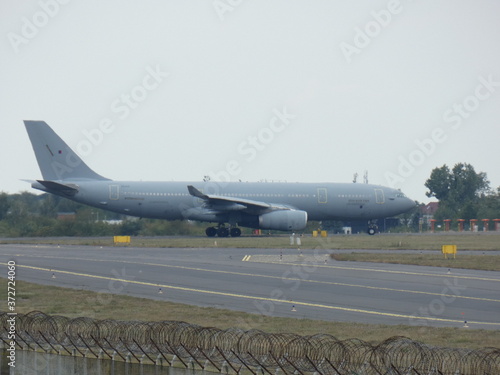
point(285, 90)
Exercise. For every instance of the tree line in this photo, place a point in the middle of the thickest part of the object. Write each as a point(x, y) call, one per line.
point(463, 193)
point(46, 215)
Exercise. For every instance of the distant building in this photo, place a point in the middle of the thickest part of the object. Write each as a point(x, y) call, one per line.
point(113, 222)
point(66, 216)
point(428, 211)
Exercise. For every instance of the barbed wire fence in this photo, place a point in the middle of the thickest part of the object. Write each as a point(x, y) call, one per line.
point(169, 343)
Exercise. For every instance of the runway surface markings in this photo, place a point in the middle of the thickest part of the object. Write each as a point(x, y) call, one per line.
point(286, 278)
point(248, 258)
point(255, 298)
point(277, 277)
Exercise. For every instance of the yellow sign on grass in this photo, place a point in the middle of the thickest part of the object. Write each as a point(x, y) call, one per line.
point(449, 249)
point(122, 239)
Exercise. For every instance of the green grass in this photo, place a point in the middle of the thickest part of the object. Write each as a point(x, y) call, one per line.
point(476, 262)
point(76, 303)
point(464, 241)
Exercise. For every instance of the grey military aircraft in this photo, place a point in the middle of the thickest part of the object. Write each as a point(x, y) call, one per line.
point(274, 206)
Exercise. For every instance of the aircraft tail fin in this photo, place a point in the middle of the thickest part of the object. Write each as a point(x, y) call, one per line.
point(57, 161)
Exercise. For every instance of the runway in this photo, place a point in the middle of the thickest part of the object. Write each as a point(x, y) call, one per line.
point(272, 282)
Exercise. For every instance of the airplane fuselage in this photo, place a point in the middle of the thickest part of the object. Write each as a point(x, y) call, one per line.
point(172, 200)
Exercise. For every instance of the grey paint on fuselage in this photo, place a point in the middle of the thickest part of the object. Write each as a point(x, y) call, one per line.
point(172, 201)
point(237, 203)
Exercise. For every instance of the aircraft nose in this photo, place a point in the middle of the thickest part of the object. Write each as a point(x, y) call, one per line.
point(409, 204)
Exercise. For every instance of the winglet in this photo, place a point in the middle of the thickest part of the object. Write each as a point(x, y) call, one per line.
point(196, 193)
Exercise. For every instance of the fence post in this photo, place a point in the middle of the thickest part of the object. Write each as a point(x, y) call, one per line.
point(225, 359)
point(209, 360)
point(192, 357)
point(159, 351)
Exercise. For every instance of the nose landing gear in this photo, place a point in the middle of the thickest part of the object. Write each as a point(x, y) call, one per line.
point(372, 228)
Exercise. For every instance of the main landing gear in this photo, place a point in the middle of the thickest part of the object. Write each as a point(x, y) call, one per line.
point(222, 231)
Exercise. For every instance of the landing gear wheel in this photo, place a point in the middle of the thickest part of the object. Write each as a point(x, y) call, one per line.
point(211, 231)
point(371, 231)
point(235, 232)
point(223, 232)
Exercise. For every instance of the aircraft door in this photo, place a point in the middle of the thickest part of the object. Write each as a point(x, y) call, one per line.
point(379, 196)
point(322, 195)
point(114, 192)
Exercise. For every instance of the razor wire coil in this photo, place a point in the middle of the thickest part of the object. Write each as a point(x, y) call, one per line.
point(292, 353)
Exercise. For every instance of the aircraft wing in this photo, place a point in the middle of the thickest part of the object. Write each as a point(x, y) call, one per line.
point(226, 203)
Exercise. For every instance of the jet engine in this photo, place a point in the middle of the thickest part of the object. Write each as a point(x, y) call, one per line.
point(283, 220)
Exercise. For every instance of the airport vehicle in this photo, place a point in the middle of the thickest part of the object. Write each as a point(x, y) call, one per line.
point(275, 206)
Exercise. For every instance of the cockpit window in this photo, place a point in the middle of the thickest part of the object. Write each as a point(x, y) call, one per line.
point(400, 195)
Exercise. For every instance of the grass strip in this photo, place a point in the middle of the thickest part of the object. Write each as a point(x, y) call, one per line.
point(476, 262)
point(464, 241)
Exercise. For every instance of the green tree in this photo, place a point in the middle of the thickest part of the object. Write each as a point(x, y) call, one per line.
point(130, 227)
point(4, 205)
point(439, 183)
point(489, 206)
point(48, 205)
point(466, 184)
point(458, 190)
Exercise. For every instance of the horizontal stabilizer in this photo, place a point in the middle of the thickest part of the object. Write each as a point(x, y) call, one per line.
point(66, 189)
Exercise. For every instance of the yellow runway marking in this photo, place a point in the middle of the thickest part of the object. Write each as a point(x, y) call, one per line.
point(254, 298)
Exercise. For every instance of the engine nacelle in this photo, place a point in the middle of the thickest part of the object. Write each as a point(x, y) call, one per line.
point(283, 220)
